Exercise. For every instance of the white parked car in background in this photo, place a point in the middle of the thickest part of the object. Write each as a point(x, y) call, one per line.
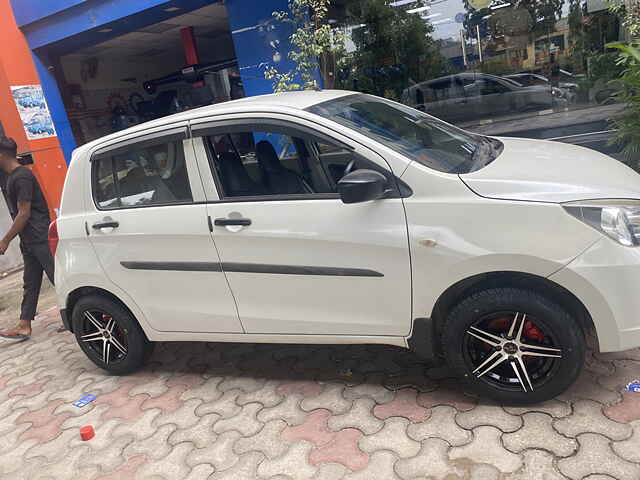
point(338, 217)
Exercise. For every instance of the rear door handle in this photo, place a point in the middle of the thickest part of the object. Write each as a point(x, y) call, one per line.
point(109, 224)
point(225, 222)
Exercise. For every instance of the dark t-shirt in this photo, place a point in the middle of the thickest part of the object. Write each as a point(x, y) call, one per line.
point(21, 185)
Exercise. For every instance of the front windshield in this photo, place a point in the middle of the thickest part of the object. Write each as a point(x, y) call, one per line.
point(411, 133)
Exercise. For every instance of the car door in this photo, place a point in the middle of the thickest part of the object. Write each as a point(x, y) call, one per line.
point(491, 97)
point(148, 226)
point(298, 260)
point(451, 103)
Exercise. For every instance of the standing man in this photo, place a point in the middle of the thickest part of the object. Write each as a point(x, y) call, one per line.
point(554, 71)
point(30, 214)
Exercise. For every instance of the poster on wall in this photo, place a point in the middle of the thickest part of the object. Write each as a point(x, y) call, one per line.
point(33, 111)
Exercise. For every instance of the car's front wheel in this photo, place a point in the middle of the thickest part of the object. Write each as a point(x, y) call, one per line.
point(514, 345)
point(109, 335)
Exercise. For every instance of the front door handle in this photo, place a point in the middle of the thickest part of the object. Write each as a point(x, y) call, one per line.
point(105, 224)
point(225, 222)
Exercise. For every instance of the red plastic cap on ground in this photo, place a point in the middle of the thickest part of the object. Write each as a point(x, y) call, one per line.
point(87, 433)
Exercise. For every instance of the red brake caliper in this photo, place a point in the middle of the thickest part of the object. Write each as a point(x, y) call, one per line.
point(532, 332)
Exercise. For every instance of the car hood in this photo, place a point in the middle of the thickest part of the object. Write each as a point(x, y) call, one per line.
point(546, 171)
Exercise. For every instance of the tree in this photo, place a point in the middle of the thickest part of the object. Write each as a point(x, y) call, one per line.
point(629, 12)
point(628, 123)
point(392, 48)
point(315, 46)
point(543, 15)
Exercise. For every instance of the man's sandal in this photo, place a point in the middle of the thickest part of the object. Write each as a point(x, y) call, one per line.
point(19, 337)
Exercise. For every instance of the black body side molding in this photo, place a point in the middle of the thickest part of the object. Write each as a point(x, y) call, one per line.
point(252, 268)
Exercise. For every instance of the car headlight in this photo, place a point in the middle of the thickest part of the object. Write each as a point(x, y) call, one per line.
point(556, 92)
point(618, 219)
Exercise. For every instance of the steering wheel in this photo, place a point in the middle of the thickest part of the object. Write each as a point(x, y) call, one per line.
point(349, 168)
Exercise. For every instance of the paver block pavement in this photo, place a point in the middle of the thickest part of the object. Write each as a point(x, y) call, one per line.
point(380, 467)
point(629, 449)
point(431, 462)
point(342, 449)
point(538, 432)
point(224, 411)
point(393, 437)
point(538, 465)
point(331, 398)
point(493, 415)
point(360, 416)
point(404, 405)
point(596, 456)
point(294, 461)
point(267, 441)
point(219, 454)
point(588, 418)
point(486, 447)
point(627, 410)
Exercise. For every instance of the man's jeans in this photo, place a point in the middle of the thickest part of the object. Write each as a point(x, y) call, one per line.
point(37, 259)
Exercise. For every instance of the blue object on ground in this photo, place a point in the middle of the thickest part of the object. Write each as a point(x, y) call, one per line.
point(84, 400)
point(634, 386)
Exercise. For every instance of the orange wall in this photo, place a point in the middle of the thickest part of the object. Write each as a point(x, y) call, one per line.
point(17, 68)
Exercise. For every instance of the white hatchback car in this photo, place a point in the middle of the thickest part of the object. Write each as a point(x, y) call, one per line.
point(338, 217)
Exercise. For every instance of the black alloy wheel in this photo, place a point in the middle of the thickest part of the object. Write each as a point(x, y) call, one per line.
point(109, 335)
point(515, 346)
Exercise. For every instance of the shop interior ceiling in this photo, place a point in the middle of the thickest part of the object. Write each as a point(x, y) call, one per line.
point(104, 76)
point(162, 40)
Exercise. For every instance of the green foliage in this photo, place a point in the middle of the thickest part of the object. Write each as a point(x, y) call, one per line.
point(315, 46)
point(542, 17)
point(629, 13)
point(628, 124)
point(605, 66)
point(393, 49)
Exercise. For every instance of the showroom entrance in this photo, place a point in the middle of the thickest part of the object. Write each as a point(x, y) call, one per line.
point(179, 63)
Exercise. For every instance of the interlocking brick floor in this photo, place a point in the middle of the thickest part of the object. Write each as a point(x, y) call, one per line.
point(248, 411)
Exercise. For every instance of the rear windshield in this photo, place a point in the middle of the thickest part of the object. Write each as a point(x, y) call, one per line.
point(412, 133)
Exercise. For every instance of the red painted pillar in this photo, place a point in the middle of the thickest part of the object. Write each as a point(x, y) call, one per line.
point(190, 46)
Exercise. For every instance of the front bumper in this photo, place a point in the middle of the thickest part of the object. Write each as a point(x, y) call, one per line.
point(606, 279)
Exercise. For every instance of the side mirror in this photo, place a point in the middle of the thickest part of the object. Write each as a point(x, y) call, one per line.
point(362, 186)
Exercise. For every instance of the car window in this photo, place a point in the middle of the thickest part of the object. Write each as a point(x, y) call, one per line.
point(411, 133)
point(489, 87)
point(446, 89)
point(263, 163)
point(139, 175)
point(333, 161)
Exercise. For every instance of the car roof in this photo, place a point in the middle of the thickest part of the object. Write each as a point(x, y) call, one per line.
point(298, 100)
point(475, 76)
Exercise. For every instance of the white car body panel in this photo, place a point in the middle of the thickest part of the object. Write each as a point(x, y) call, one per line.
point(458, 235)
point(545, 171)
point(605, 279)
point(181, 301)
point(319, 233)
point(453, 234)
point(316, 233)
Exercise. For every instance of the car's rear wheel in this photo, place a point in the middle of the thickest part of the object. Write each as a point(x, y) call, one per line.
point(109, 335)
point(515, 346)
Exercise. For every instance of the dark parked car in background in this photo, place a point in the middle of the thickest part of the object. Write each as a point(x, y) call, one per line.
point(474, 96)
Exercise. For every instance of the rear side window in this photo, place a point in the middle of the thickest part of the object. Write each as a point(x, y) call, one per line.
point(140, 175)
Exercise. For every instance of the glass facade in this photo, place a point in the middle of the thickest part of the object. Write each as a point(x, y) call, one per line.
point(527, 68)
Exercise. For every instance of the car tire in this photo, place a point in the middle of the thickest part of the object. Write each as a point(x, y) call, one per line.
point(537, 359)
point(109, 335)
